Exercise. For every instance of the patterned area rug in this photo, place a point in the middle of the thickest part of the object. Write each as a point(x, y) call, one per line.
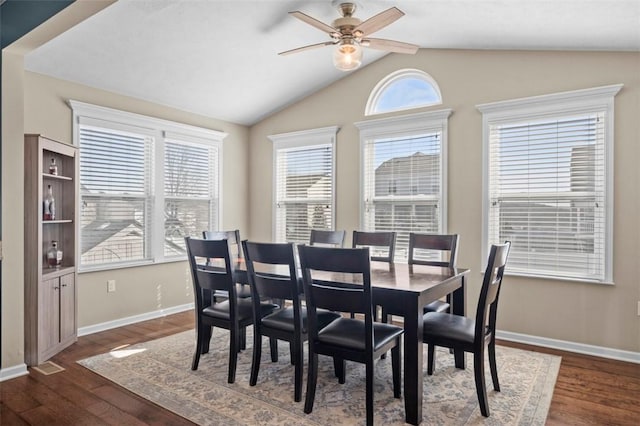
point(160, 371)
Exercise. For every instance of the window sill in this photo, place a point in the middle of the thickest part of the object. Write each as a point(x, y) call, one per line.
point(89, 269)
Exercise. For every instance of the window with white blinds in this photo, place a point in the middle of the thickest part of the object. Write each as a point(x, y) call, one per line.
point(190, 193)
point(547, 189)
point(115, 189)
point(403, 176)
point(304, 183)
point(145, 184)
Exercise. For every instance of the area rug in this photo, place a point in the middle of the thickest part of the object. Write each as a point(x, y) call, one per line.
point(160, 371)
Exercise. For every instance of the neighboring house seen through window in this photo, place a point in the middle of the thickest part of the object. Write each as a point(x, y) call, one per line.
point(304, 183)
point(403, 175)
point(548, 184)
point(145, 184)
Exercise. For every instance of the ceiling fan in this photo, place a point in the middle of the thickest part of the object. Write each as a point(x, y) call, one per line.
point(350, 34)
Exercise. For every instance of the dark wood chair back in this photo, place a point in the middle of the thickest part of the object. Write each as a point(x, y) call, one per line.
point(433, 242)
point(329, 238)
point(207, 278)
point(377, 240)
point(486, 311)
point(341, 293)
point(232, 236)
point(286, 284)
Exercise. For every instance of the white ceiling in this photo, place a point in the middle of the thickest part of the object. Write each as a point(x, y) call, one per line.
point(219, 58)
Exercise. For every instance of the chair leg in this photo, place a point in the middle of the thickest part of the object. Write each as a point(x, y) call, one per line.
point(298, 354)
point(493, 367)
point(257, 354)
point(243, 339)
point(312, 378)
point(396, 356)
point(431, 358)
point(196, 355)
point(206, 339)
point(234, 348)
point(369, 387)
point(385, 319)
point(273, 345)
point(481, 390)
point(339, 369)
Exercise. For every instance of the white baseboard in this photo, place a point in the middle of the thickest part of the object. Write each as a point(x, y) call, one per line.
point(90, 329)
point(564, 345)
point(13, 372)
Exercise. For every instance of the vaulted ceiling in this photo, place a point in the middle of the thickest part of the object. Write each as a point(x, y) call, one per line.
point(219, 58)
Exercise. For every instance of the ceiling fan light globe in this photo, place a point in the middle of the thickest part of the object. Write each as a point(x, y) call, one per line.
point(347, 56)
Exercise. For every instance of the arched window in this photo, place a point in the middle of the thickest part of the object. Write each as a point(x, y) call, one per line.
point(402, 90)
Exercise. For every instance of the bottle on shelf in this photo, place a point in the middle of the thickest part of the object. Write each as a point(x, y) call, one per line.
point(53, 167)
point(49, 211)
point(54, 255)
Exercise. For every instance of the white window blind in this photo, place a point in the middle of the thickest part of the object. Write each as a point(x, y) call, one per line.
point(404, 175)
point(402, 186)
point(190, 192)
point(549, 183)
point(115, 193)
point(145, 184)
point(546, 194)
point(303, 183)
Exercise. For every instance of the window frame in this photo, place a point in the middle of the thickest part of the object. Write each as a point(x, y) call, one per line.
point(303, 139)
point(405, 126)
point(550, 107)
point(160, 131)
point(390, 80)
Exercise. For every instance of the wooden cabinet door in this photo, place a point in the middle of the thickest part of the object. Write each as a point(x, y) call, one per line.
point(67, 306)
point(49, 335)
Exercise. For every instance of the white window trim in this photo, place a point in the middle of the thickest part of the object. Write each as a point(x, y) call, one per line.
point(390, 79)
point(159, 130)
point(540, 107)
point(407, 125)
point(299, 139)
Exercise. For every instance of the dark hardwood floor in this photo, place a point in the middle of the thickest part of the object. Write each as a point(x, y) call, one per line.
point(589, 390)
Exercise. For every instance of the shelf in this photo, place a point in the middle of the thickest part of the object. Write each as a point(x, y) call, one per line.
point(44, 222)
point(49, 273)
point(55, 177)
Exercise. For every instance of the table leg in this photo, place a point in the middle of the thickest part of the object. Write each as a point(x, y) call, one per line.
point(413, 363)
point(460, 308)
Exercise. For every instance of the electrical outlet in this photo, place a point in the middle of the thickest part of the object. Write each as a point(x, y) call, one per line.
point(111, 286)
point(639, 308)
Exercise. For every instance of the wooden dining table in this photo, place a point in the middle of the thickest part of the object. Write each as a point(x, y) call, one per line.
point(403, 290)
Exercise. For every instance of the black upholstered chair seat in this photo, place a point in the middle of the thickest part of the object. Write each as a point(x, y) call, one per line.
point(437, 306)
point(283, 319)
point(349, 333)
point(244, 309)
point(443, 326)
point(243, 291)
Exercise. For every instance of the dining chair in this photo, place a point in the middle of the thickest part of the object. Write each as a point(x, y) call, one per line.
point(422, 248)
point(289, 323)
point(354, 339)
point(233, 314)
point(327, 238)
point(461, 333)
point(382, 246)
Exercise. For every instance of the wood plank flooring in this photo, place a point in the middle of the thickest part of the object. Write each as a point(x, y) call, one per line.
point(589, 390)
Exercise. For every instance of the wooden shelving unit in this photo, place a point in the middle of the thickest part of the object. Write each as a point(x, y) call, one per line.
point(50, 292)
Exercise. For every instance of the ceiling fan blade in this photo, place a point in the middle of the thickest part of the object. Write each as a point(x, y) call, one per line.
point(390, 45)
point(314, 22)
point(379, 21)
point(309, 47)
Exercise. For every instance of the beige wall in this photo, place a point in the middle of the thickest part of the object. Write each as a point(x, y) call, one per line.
point(12, 210)
point(571, 311)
